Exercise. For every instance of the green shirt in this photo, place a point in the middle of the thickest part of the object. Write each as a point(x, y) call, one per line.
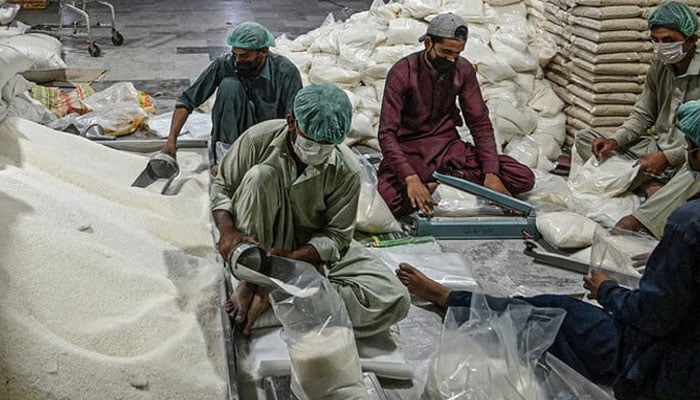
point(272, 92)
point(654, 112)
point(324, 199)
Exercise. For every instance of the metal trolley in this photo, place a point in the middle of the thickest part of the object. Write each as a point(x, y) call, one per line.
point(81, 20)
point(79, 7)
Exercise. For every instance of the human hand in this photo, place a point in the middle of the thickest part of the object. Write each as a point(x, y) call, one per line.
point(259, 304)
point(229, 240)
point(593, 281)
point(419, 195)
point(602, 147)
point(654, 163)
point(276, 251)
point(170, 149)
point(492, 181)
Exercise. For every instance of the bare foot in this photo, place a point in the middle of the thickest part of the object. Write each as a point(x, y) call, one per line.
point(237, 306)
point(260, 304)
point(420, 285)
point(629, 223)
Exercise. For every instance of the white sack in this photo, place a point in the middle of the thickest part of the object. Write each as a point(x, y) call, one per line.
point(334, 74)
point(420, 8)
point(44, 50)
point(513, 49)
point(12, 62)
point(524, 150)
point(545, 101)
point(8, 12)
point(566, 230)
point(552, 126)
point(549, 147)
point(405, 31)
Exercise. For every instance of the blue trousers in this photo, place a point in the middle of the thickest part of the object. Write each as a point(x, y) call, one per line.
point(588, 340)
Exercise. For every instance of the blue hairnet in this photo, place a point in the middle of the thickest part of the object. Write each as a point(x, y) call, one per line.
point(323, 112)
point(674, 15)
point(689, 120)
point(250, 36)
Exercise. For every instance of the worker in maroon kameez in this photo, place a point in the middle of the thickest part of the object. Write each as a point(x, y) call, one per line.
point(417, 129)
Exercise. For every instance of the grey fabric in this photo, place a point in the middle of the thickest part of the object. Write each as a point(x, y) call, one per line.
point(654, 212)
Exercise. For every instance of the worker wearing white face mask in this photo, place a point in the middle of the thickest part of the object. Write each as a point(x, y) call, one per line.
point(649, 134)
point(293, 186)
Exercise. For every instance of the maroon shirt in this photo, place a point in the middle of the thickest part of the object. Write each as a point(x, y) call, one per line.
point(419, 117)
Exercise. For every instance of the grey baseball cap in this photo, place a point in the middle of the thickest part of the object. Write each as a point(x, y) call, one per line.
point(446, 25)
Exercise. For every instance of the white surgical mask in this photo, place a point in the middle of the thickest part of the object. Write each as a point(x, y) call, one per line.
point(669, 53)
point(310, 152)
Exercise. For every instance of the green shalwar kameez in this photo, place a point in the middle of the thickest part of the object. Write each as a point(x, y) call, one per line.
point(242, 102)
point(259, 184)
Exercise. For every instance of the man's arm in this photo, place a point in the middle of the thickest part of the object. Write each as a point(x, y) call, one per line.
point(290, 86)
point(239, 159)
point(229, 235)
point(476, 115)
point(196, 94)
point(666, 291)
point(180, 116)
point(644, 114)
point(333, 241)
point(390, 120)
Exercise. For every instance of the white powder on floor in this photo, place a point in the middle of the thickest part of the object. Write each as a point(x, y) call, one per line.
point(106, 291)
point(327, 366)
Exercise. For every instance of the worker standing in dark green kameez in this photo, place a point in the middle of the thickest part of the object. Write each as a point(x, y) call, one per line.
point(254, 85)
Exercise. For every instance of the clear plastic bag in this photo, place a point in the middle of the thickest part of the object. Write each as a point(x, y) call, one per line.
point(452, 202)
point(609, 177)
point(118, 120)
point(621, 254)
point(320, 341)
point(493, 355)
point(373, 215)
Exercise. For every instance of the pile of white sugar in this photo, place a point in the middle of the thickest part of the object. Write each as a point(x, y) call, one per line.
point(106, 291)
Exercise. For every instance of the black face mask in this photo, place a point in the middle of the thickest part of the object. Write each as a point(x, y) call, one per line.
point(442, 64)
point(247, 68)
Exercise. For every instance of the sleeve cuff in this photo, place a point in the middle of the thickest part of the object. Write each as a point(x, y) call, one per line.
point(604, 290)
point(182, 103)
point(221, 203)
point(326, 248)
point(622, 138)
point(675, 157)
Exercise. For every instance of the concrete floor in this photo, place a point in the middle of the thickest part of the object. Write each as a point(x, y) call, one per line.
point(169, 42)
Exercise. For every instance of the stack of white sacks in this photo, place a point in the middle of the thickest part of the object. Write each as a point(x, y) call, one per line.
point(604, 54)
point(357, 54)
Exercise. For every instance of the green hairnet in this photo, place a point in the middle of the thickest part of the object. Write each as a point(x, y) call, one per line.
point(250, 36)
point(689, 120)
point(323, 112)
point(674, 15)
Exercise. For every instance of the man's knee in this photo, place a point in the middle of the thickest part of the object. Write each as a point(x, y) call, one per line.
point(260, 177)
point(231, 88)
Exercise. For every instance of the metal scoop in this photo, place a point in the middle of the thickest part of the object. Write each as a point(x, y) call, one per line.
point(159, 166)
point(250, 263)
